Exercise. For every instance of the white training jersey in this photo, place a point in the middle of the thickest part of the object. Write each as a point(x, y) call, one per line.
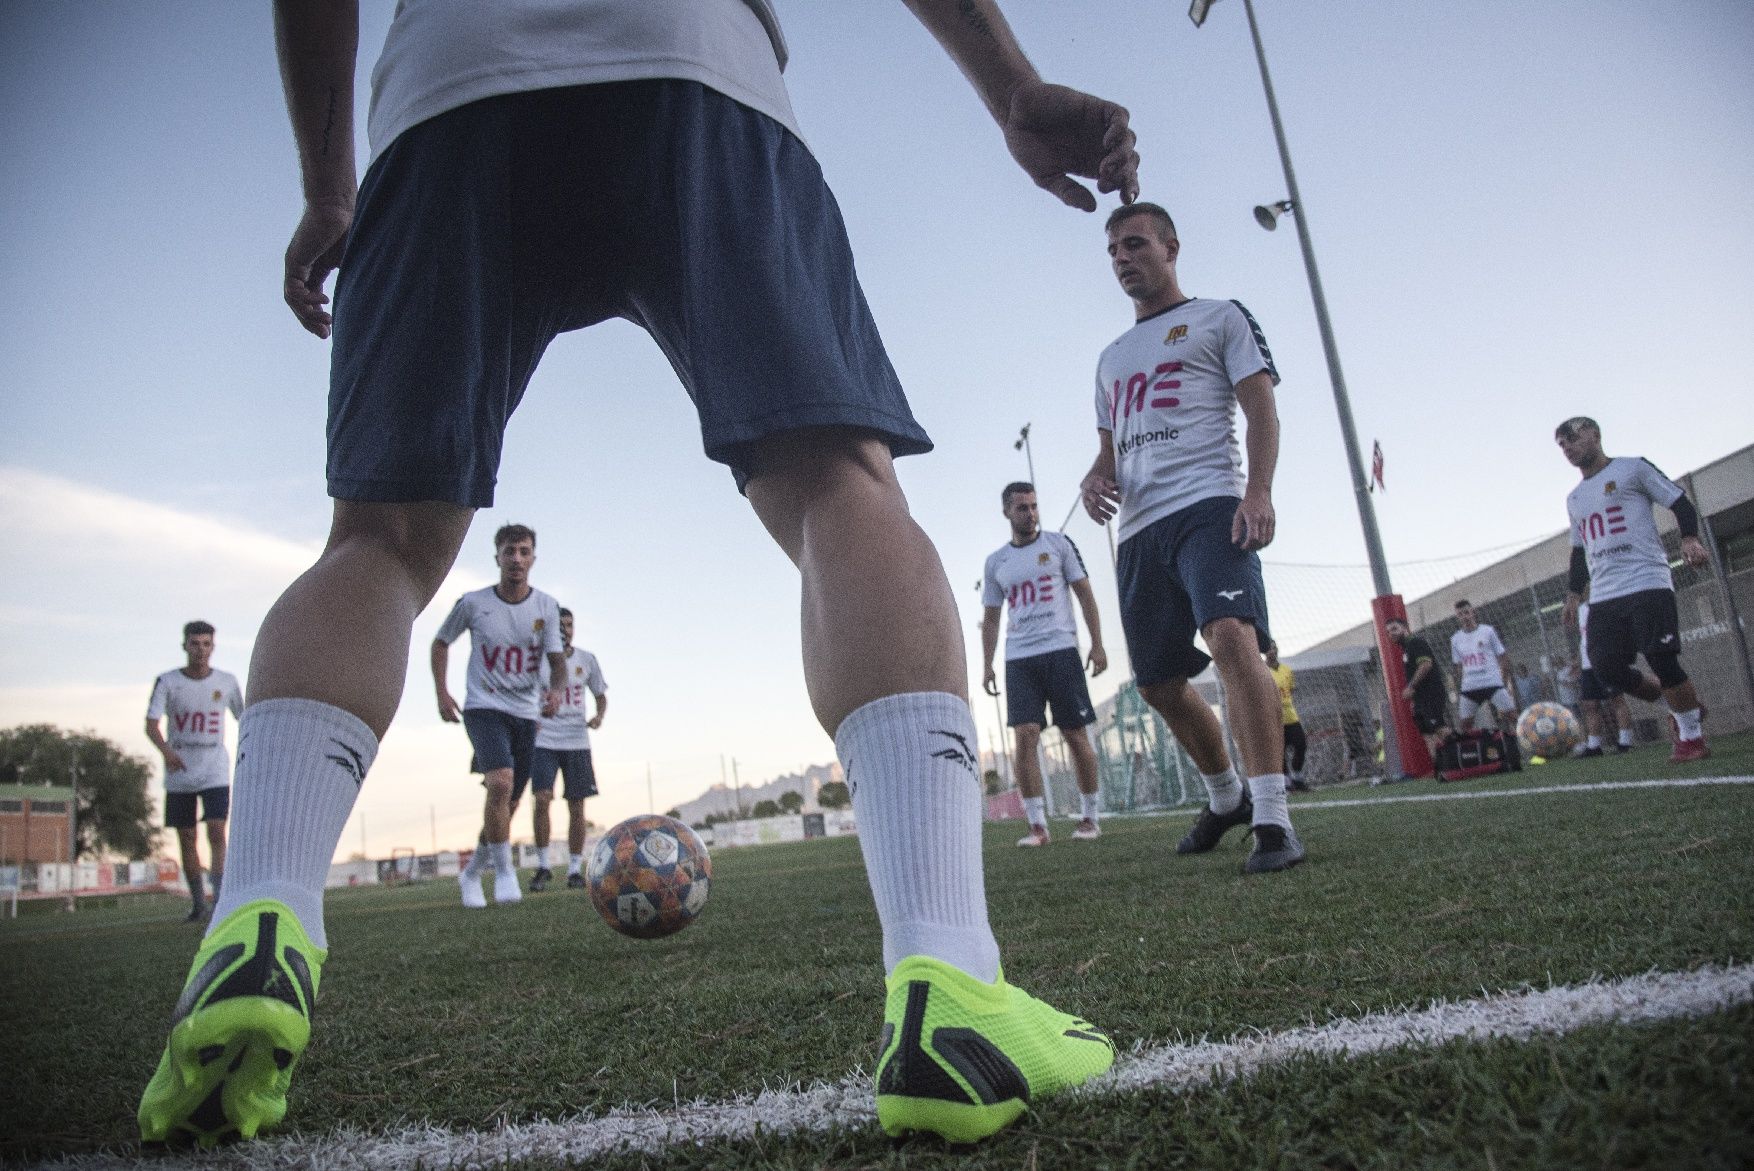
point(442, 54)
point(568, 729)
point(1611, 521)
point(1166, 392)
point(1583, 636)
point(1477, 652)
point(1033, 581)
point(509, 647)
point(193, 711)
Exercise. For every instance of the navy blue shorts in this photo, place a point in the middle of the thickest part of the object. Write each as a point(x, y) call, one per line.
point(179, 808)
point(1056, 677)
point(572, 763)
point(1177, 575)
point(500, 740)
point(485, 231)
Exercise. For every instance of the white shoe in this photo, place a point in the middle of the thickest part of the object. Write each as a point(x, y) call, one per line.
point(1037, 836)
point(1087, 831)
point(505, 888)
point(472, 894)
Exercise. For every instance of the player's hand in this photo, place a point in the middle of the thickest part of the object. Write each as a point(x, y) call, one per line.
point(594, 723)
point(1054, 133)
point(314, 253)
point(550, 702)
point(1252, 526)
point(448, 709)
point(1097, 660)
point(1101, 496)
point(990, 681)
point(173, 761)
point(1407, 692)
point(1570, 614)
point(1694, 553)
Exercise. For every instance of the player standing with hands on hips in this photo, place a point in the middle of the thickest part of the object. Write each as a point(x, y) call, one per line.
point(1167, 392)
point(540, 166)
point(1617, 554)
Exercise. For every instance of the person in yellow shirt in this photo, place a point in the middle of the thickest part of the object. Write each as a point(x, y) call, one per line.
point(1296, 743)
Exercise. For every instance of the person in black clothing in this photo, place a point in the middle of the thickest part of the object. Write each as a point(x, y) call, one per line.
point(1424, 684)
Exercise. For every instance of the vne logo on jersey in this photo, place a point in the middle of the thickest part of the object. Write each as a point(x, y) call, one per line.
point(1125, 404)
point(1611, 521)
point(1028, 593)
point(1176, 335)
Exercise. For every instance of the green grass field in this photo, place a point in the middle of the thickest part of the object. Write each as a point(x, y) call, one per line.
point(470, 1020)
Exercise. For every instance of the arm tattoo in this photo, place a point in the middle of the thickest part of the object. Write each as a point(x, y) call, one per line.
point(329, 122)
point(972, 16)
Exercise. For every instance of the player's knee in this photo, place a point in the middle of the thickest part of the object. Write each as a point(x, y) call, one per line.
point(1028, 735)
point(1232, 640)
point(1166, 697)
point(422, 538)
point(1667, 667)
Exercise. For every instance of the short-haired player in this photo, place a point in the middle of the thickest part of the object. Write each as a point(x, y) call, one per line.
point(1168, 462)
point(1036, 574)
point(563, 749)
point(1483, 677)
point(1424, 686)
point(192, 701)
point(514, 630)
point(1618, 555)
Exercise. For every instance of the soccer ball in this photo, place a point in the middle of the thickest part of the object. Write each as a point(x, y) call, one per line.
point(649, 876)
point(1548, 729)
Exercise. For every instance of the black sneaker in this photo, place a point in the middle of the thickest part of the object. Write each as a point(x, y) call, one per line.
point(1621, 749)
point(1275, 849)
point(1596, 751)
point(575, 882)
point(196, 915)
point(1210, 826)
point(540, 880)
point(1297, 785)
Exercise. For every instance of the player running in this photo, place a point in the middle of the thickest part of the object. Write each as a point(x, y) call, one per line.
point(193, 700)
point(1617, 554)
point(1190, 524)
point(513, 630)
point(1296, 742)
point(1483, 677)
point(563, 748)
point(540, 167)
point(1034, 573)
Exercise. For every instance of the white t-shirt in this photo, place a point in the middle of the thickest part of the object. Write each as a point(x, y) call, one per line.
point(194, 714)
point(568, 729)
point(1611, 521)
point(1166, 391)
point(441, 54)
point(1034, 579)
point(1477, 651)
point(508, 648)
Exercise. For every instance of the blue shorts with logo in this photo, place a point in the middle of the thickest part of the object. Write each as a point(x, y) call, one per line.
point(1056, 677)
point(179, 808)
point(501, 740)
point(574, 764)
point(484, 232)
point(1177, 575)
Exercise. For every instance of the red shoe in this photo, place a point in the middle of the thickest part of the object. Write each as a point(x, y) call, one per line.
point(1037, 836)
point(1687, 751)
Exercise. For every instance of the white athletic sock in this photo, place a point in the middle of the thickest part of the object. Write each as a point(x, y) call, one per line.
point(542, 857)
point(300, 765)
point(502, 858)
point(575, 863)
point(1625, 737)
point(1687, 724)
point(1268, 794)
point(1035, 810)
point(911, 762)
point(1090, 806)
point(1596, 741)
point(1223, 790)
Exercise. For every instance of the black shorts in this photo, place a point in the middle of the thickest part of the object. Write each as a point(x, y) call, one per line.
point(500, 740)
point(1430, 714)
point(1591, 688)
point(179, 808)
point(1056, 677)
point(485, 231)
point(574, 764)
point(1178, 574)
point(1623, 628)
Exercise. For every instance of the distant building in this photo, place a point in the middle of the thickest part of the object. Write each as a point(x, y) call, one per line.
point(36, 824)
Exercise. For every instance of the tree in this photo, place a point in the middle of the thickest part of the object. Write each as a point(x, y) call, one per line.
point(834, 795)
point(766, 808)
point(791, 801)
point(113, 810)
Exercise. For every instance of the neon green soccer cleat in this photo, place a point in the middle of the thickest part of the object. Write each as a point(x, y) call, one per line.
point(963, 1059)
point(238, 1031)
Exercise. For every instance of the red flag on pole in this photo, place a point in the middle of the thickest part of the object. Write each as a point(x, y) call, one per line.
point(1376, 466)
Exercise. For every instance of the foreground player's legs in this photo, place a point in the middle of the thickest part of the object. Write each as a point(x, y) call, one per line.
point(190, 853)
point(1088, 781)
point(883, 661)
point(1027, 762)
point(1197, 730)
point(325, 679)
point(1252, 705)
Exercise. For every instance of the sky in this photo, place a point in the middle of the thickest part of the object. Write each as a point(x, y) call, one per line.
point(1521, 211)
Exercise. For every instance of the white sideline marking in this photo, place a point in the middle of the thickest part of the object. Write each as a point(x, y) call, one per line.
point(848, 1103)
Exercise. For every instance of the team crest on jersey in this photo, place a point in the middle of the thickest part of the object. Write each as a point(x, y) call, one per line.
point(1177, 333)
point(217, 696)
point(578, 670)
point(538, 625)
point(1041, 559)
point(1608, 487)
